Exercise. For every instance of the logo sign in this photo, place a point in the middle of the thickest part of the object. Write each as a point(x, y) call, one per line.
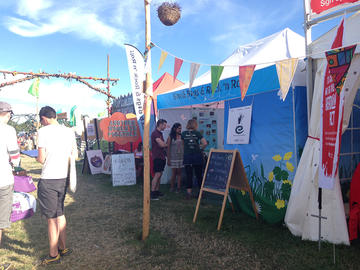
point(120, 129)
point(239, 125)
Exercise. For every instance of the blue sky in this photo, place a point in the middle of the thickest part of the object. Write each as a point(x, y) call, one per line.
point(76, 36)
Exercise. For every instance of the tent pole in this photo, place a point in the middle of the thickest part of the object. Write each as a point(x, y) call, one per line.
point(320, 206)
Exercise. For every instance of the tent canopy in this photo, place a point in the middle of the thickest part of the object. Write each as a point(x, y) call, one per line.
point(264, 53)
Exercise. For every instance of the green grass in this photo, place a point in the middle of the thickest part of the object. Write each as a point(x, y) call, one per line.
point(105, 228)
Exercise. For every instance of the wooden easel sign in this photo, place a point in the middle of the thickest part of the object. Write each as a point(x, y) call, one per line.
point(224, 169)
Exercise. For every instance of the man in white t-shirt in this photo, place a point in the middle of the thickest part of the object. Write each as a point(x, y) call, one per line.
point(9, 156)
point(56, 143)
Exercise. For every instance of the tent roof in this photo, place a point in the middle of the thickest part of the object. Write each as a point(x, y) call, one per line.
point(262, 53)
point(351, 36)
point(165, 83)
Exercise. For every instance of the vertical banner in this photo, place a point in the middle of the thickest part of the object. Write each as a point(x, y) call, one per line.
point(137, 76)
point(239, 125)
point(332, 107)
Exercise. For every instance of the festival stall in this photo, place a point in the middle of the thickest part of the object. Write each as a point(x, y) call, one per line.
point(274, 121)
point(303, 212)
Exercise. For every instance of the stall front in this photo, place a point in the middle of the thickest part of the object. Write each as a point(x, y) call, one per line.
point(277, 128)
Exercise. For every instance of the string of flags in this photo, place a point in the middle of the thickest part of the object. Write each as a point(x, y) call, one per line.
point(285, 70)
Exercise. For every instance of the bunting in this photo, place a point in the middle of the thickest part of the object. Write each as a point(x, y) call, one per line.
point(34, 88)
point(162, 58)
point(177, 66)
point(245, 75)
point(216, 72)
point(194, 68)
point(285, 70)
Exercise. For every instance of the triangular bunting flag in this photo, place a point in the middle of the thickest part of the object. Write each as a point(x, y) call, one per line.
point(285, 70)
point(245, 75)
point(177, 66)
point(34, 88)
point(194, 68)
point(215, 77)
point(339, 62)
point(162, 58)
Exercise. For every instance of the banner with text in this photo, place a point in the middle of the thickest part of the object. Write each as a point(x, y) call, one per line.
point(322, 7)
point(137, 76)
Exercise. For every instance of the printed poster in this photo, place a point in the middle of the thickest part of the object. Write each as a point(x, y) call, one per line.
point(323, 7)
point(207, 125)
point(96, 161)
point(239, 124)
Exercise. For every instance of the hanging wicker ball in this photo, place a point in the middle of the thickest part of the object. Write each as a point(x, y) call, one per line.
point(169, 13)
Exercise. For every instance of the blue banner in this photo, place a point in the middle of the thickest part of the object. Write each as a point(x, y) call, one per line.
point(263, 80)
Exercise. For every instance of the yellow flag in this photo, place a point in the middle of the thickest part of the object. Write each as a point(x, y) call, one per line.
point(285, 70)
point(162, 58)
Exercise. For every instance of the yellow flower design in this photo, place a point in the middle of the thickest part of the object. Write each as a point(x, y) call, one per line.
point(287, 182)
point(277, 157)
point(289, 166)
point(288, 155)
point(243, 192)
point(280, 204)
point(271, 176)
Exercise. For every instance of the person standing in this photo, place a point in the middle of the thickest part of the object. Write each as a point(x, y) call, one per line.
point(175, 155)
point(194, 143)
point(158, 147)
point(9, 151)
point(56, 144)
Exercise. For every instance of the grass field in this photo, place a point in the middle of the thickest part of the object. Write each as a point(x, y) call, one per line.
point(105, 224)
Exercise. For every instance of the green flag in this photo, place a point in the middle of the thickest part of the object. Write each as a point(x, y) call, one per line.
point(215, 77)
point(34, 88)
point(72, 121)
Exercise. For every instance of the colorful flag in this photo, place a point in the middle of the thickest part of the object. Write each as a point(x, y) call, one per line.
point(72, 120)
point(194, 68)
point(162, 58)
point(285, 70)
point(177, 66)
point(245, 75)
point(215, 77)
point(34, 88)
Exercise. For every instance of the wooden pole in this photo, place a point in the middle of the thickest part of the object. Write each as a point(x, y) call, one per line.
point(108, 99)
point(146, 206)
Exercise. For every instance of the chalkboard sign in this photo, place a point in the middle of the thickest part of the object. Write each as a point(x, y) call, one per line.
point(218, 169)
point(123, 169)
point(224, 169)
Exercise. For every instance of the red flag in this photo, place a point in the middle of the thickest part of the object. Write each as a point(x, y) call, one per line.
point(245, 75)
point(177, 66)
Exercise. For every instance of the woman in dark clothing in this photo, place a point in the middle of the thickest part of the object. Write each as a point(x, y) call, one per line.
point(194, 143)
point(175, 155)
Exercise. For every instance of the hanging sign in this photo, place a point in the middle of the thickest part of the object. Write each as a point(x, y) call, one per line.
point(96, 161)
point(323, 7)
point(118, 128)
point(239, 125)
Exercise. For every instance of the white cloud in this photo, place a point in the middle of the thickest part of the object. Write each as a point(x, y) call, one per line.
point(31, 8)
point(58, 94)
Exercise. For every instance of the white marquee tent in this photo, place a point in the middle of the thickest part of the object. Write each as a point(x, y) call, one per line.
point(304, 194)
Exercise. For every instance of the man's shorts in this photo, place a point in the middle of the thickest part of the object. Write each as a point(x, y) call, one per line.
point(159, 165)
point(51, 197)
point(6, 201)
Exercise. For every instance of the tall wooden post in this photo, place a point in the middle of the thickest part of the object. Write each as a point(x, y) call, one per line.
point(148, 89)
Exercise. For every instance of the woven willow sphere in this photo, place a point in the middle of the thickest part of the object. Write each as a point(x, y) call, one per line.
point(169, 13)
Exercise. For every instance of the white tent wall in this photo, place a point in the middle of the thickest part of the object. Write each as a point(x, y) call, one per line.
point(304, 193)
